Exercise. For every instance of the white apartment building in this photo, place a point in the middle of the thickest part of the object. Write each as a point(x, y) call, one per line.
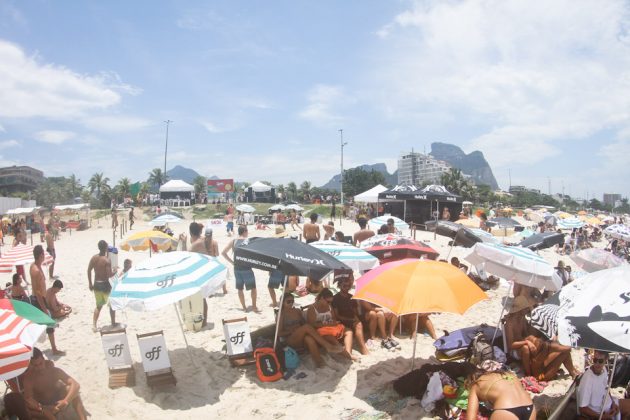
point(420, 169)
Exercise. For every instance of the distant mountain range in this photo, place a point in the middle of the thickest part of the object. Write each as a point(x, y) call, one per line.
point(185, 174)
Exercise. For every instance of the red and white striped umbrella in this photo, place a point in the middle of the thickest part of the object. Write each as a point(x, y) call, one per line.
point(17, 338)
point(20, 255)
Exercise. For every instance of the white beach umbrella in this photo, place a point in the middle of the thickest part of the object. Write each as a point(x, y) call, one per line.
point(399, 224)
point(295, 207)
point(570, 223)
point(165, 279)
point(163, 219)
point(353, 257)
point(245, 208)
point(618, 231)
point(515, 263)
point(277, 207)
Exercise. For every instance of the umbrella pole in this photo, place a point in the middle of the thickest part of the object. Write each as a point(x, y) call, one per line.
point(607, 393)
point(181, 327)
point(415, 341)
point(284, 287)
point(501, 316)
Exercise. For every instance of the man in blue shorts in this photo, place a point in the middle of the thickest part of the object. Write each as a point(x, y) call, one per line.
point(244, 276)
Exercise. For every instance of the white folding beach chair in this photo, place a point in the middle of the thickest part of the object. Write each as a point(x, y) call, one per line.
point(155, 360)
point(118, 357)
point(238, 341)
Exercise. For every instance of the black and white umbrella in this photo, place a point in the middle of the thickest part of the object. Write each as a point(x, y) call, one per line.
point(542, 240)
point(460, 234)
point(591, 312)
point(290, 256)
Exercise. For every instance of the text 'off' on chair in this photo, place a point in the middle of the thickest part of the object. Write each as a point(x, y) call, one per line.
point(118, 357)
point(238, 341)
point(155, 360)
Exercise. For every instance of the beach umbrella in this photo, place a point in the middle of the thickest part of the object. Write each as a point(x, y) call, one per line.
point(483, 235)
point(290, 256)
point(165, 279)
point(542, 241)
point(277, 207)
point(163, 219)
point(20, 255)
point(595, 221)
point(515, 263)
point(618, 231)
point(551, 220)
point(245, 208)
point(141, 241)
point(377, 222)
point(414, 287)
point(595, 259)
point(355, 258)
point(535, 217)
point(295, 207)
point(27, 311)
point(18, 335)
point(563, 215)
point(391, 247)
point(505, 222)
point(570, 223)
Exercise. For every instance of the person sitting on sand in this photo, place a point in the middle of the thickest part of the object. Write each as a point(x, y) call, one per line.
point(16, 290)
point(384, 320)
point(311, 230)
point(340, 237)
point(57, 309)
point(516, 327)
point(542, 358)
point(320, 314)
point(314, 286)
point(362, 234)
point(593, 389)
point(424, 325)
point(329, 230)
point(49, 390)
point(346, 311)
point(499, 388)
point(297, 333)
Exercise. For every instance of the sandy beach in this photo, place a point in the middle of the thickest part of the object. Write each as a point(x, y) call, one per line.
point(210, 387)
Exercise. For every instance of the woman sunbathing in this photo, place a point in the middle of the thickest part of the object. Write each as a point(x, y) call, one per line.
point(542, 359)
point(502, 389)
point(320, 317)
point(297, 333)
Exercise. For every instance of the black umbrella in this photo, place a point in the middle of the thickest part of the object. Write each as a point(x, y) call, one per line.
point(462, 235)
point(505, 222)
point(290, 256)
point(542, 240)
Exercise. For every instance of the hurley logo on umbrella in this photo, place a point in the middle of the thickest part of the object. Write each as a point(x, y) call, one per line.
point(304, 259)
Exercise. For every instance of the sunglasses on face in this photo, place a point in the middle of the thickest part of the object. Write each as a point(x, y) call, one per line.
point(599, 361)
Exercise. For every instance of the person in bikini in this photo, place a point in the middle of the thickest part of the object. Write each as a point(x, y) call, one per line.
point(311, 230)
point(502, 389)
point(297, 333)
point(16, 290)
point(346, 311)
point(102, 267)
point(38, 297)
point(542, 358)
point(319, 315)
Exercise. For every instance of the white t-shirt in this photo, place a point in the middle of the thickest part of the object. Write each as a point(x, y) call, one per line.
point(592, 389)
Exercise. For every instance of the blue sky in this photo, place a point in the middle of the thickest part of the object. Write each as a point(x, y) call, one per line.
point(259, 90)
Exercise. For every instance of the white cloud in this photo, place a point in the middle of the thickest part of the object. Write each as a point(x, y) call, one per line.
point(7, 144)
point(116, 123)
point(2, 129)
point(324, 103)
point(31, 88)
point(212, 127)
point(533, 74)
point(54, 136)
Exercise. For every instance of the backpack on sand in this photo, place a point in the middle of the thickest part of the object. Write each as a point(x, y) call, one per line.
point(267, 365)
point(479, 350)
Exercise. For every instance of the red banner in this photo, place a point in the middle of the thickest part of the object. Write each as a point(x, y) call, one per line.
point(218, 186)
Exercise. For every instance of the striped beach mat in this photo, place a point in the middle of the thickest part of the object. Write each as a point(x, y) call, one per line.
point(17, 338)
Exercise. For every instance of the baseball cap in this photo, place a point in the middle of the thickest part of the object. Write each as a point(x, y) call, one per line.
point(208, 231)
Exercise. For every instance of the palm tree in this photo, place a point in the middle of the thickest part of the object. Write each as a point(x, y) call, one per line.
point(98, 183)
point(124, 186)
point(305, 190)
point(292, 189)
point(201, 184)
point(157, 177)
point(74, 186)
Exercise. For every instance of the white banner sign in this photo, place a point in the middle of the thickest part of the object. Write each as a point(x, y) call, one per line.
point(154, 353)
point(116, 347)
point(237, 337)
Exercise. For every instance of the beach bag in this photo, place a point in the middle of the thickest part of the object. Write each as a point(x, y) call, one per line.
point(267, 365)
point(333, 330)
point(480, 350)
point(291, 358)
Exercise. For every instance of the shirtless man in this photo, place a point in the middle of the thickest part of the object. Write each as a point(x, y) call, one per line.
point(57, 309)
point(212, 248)
point(311, 230)
point(50, 248)
point(132, 218)
point(362, 234)
point(229, 221)
point(244, 276)
point(102, 267)
point(38, 297)
point(329, 230)
point(114, 218)
point(48, 390)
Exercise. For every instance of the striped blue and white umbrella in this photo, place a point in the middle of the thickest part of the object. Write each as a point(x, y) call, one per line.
point(167, 278)
point(163, 219)
point(618, 231)
point(515, 263)
point(399, 224)
point(353, 257)
point(570, 223)
point(484, 236)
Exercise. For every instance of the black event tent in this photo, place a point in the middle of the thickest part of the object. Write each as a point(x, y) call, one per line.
point(417, 205)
